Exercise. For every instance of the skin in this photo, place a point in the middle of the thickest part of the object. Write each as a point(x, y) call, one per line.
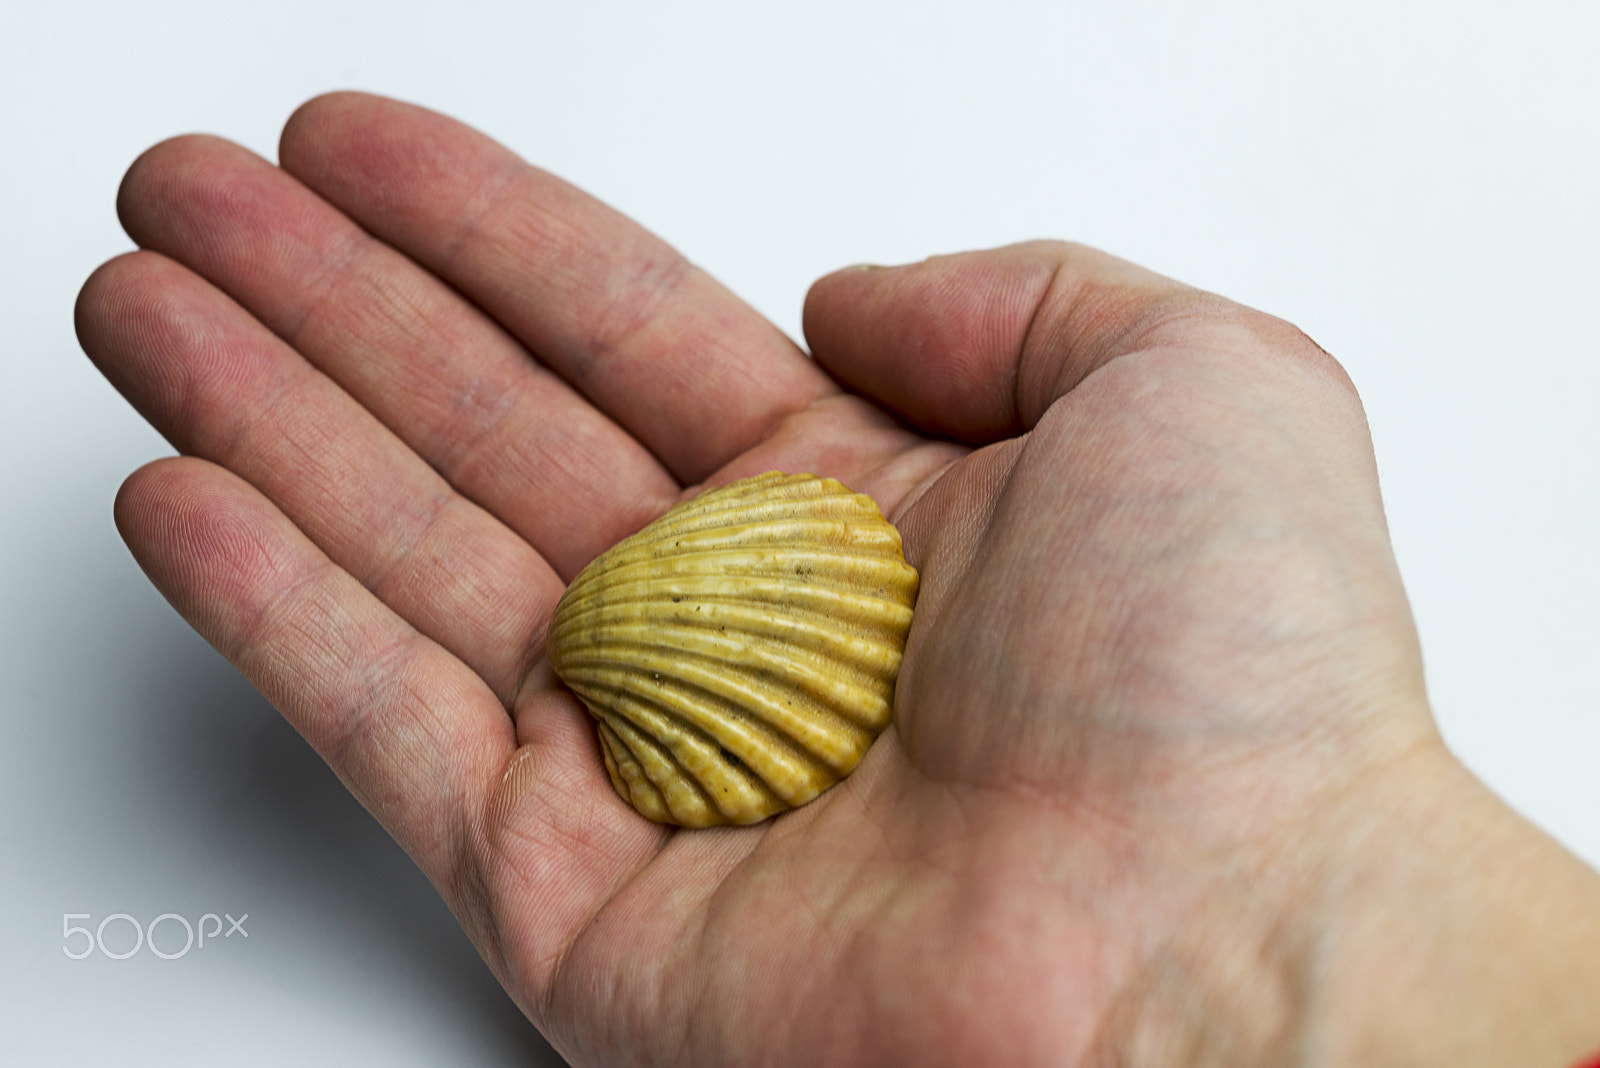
point(1163, 786)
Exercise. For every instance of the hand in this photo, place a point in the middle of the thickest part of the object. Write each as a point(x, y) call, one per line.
point(1163, 784)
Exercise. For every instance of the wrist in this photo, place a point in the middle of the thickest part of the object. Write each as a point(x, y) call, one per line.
point(1446, 929)
point(1410, 917)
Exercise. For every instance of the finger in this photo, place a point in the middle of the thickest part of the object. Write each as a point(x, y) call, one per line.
point(977, 345)
point(433, 368)
point(659, 346)
point(414, 733)
point(218, 385)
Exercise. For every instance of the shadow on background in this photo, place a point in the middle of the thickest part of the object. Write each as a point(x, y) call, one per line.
point(188, 767)
point(369, 900)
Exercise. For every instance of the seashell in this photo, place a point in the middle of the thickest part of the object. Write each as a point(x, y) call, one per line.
point(739, 653)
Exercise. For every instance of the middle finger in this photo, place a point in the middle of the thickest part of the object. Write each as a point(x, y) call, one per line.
point(438, 372)
point(690, 370)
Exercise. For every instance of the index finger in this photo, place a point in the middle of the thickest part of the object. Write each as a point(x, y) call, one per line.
point(695, 374)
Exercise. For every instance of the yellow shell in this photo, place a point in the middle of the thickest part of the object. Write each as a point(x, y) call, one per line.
point(740, 652)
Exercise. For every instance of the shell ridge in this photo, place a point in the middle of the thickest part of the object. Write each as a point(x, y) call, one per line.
point(721, 498)
point(826, 606)
point(717, 772)
point(821, 715)
point(850, 507)
point(830, 676)
point(735, 731)
point(740, 653)
point(682, 794)
point(784, 490)
point(695, 697)
point(758, 560)
point(637, 789)
point(758, 486)
point(863, 648)
point(783, 766)
point(842, 568)
point(826, 530)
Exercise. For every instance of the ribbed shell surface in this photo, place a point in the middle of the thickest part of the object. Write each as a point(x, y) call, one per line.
point(740, 653)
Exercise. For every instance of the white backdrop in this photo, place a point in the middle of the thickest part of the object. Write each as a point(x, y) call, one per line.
point(1413, 184)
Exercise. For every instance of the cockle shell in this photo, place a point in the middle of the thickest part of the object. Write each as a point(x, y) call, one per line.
point(740, 653)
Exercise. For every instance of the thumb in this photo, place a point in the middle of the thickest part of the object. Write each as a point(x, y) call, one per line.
point(977, 345)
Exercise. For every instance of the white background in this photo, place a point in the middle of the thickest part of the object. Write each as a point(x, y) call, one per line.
point(1416, 185)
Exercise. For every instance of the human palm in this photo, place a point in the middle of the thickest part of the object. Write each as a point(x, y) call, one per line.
point(1160, 635)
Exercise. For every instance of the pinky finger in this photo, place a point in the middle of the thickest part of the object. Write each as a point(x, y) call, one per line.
point(414, 734)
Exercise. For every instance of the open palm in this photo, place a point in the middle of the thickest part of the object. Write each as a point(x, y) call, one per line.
point(418, 384)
